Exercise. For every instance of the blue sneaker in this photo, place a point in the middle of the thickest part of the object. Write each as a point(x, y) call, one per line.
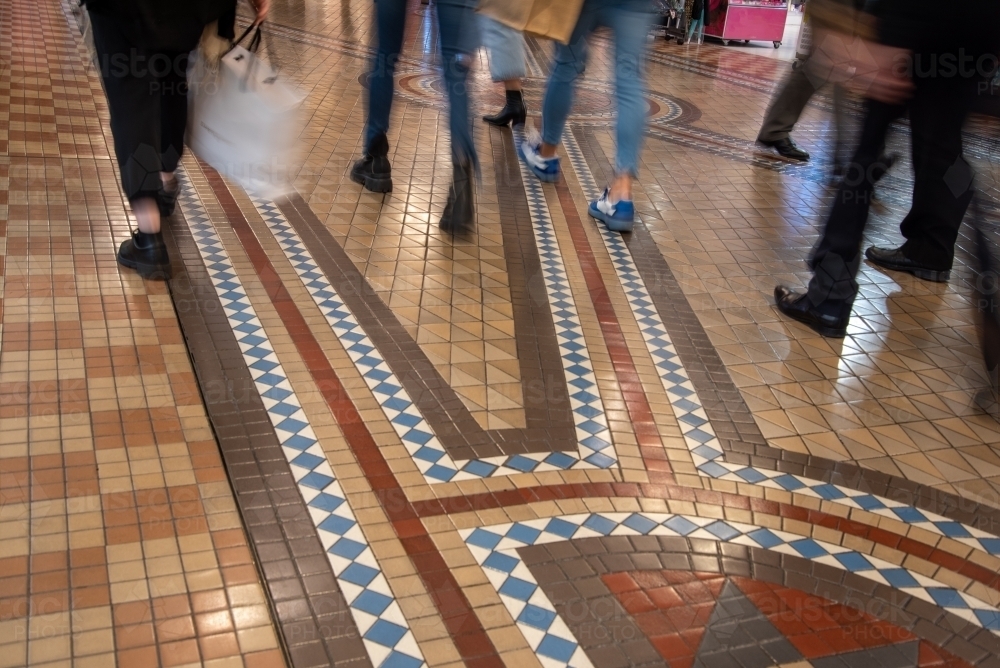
point(619, 217)
point(546, 169)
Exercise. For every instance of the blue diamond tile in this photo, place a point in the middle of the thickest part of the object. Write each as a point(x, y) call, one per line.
point(828, 492)
point(556, 648)
point(808, 548)
point(539, 618)
point(990, 619)
point(560, 460)
point(909, 515)
point(347, 548)
point(517, 588)
point(899, 578)
point(953, 529)
point(359, 574)
point(868, 502)
point(722, 530)
point(299, 442)
point(400, 660)
point(326, 502)
point(524, 533)
point(417, 436)
point(751, 475)
point(479, 468)
point(791, 483)
point(680, 525)
point(854, 562)
point(307, 460)
point(560, 527)
point(946, 597)
point(385, 633)
point(291, 424)
point(371, 602)
point(600, 460)
point(315, 480)
point(337, 524)
point(483, 538)
point(639, 523)
point(601, 525)
point(765, 538)
point(519, 463)
point(501, 562)
point(439, 472)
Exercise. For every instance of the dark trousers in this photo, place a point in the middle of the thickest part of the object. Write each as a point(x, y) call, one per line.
point(791, 99)
point(459, 31)
point(147, 98)
point(942, 188)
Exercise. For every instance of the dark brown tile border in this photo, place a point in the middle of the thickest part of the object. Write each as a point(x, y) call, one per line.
point(313, 620)
point(570, 574)
point(548, 415)
point(729, 414)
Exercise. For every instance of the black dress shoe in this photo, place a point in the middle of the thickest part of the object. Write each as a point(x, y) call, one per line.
point(893, 258)
point(460, 212)
point(786, 148)
point(373, 170)
point(797, 306)
point(513, 113)
point(147, 254)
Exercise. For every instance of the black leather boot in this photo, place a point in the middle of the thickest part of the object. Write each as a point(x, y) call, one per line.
point(513, 113)
point(147, 254)
point(459, 215)
point(373, 170)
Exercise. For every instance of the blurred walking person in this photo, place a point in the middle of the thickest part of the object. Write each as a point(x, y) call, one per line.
point(931, 63)
point(459, 36)
point(505, 46)
point(629, 21)
point(142, 50)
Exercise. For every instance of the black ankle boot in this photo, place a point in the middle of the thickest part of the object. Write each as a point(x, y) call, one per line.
point(460, 212)
point(373, 170)
point(514, 112)
point(147, 254)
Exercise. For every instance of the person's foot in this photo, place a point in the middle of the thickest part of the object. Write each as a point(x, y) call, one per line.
point(147, 254)
point(513, 113)
point(459, 215)
point(894, 259)
point(796, 305)
point(166, 198)
point(618, 216)
point(786, 148)
point(373, 170)
point(546, 169)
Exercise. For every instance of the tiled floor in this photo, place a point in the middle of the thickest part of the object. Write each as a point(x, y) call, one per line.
point(340, 437)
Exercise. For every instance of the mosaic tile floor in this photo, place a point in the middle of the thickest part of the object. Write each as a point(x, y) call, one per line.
point(340, 437)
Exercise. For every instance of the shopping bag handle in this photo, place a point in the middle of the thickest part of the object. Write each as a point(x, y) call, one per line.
point(254, 41)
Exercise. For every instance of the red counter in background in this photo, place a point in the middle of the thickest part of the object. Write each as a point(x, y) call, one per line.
point(759, 21)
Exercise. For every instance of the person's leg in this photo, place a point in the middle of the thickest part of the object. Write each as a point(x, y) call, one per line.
point(173, 122)
point(840, 125)
point(693, 28)
point(568, 63)
point(837, 257)
point(457, 26)
point(390, 17)
point(942, 183)
point(507, 63)
point(786, 108)
point(373, 170)
point(134, 103)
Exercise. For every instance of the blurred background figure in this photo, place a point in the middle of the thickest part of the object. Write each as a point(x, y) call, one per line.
point(629, 21)
point(699, 17)
point(932, 64)
point(505, 46)
point(142, 50)
point(458, 33)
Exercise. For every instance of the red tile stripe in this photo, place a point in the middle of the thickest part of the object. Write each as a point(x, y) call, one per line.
point(646, 432)
point(474, 645)
point(669, 492)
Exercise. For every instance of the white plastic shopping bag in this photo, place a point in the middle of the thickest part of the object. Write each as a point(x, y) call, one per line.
point(243, 120)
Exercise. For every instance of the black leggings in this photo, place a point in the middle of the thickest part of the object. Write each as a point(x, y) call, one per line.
point(147, 97)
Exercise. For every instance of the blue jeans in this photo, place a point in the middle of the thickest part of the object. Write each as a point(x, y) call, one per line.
point(457, 27)
point(629, 21)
